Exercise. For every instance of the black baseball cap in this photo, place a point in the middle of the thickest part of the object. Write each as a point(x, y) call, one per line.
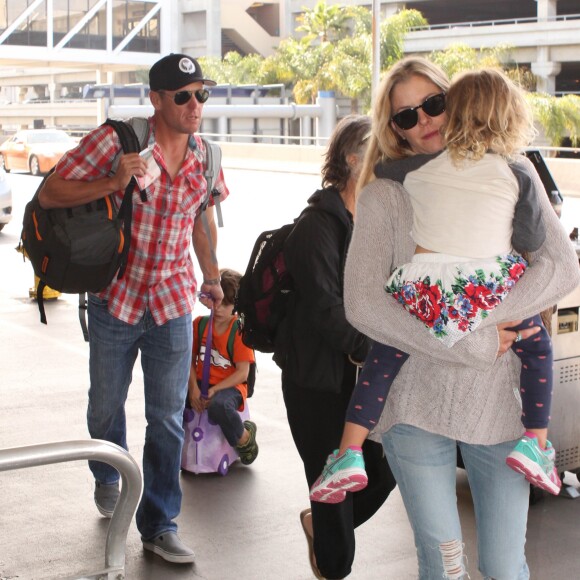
point(175, 71)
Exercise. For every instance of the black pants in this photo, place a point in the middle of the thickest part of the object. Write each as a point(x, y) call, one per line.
point(316, 421)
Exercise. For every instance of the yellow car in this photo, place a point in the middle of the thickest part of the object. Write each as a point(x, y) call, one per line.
point(35, 150)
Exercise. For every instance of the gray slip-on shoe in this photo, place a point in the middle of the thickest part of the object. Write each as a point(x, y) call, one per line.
point(170, 548)
point(106, 496)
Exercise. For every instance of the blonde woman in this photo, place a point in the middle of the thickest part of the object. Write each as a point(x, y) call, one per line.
point(444, 398)
point(473, 205)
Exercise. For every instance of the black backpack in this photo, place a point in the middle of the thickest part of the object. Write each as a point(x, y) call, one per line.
point(251, 380)
point(80, 249)
point(265, 289)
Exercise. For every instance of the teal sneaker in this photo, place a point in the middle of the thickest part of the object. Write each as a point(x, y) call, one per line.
point(536, 464)
point(342, 473)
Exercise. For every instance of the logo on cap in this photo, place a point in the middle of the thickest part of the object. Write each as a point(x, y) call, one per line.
point(186, 66)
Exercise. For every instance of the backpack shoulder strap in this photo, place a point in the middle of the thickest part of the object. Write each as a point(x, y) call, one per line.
point(230, 347)
point(213, 159)
point(132, 134)
point(200, 330)
point(141, 127)
point(231, 340)
point(130, 143)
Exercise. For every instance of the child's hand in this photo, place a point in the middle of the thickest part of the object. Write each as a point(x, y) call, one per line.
point(194, 398)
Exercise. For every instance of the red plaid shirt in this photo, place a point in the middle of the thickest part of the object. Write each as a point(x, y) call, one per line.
point(159, 274)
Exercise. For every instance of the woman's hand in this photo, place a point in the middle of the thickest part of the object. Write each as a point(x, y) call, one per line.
point(507, 336)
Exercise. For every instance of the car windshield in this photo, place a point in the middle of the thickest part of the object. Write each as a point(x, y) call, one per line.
point(49, 137)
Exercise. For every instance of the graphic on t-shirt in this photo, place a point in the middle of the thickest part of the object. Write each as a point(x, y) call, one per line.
point(217, 360)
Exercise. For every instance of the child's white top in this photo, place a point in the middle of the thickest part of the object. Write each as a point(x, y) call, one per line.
point(466, 210)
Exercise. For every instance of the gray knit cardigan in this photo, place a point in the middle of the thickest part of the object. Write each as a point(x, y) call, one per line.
point(464, 392)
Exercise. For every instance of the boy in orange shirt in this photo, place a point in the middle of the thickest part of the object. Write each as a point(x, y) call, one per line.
point(227, 378)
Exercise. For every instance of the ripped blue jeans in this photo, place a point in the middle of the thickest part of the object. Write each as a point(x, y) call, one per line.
point(424, 465)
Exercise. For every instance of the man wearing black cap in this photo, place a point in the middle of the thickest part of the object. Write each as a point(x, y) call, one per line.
point(149, 309)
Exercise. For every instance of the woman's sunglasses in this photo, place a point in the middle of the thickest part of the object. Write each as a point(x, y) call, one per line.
point(408, 118)
point(182, 97)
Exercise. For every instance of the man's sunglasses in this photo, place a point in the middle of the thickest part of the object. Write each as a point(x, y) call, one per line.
point(408, 118)
point(182, 97)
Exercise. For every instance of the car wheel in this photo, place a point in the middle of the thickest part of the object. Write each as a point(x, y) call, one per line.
point(3, 164)
point(34, 165)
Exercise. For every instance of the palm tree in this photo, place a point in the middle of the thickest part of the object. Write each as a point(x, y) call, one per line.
point(323, 22)
point(558, 117)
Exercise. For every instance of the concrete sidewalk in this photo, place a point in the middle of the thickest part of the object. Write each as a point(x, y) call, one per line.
point(243, 526)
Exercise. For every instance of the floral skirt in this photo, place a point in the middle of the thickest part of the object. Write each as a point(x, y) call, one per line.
point(452, 294)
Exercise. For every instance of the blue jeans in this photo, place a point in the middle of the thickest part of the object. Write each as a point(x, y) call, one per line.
point(165, 359)
point(424, 465)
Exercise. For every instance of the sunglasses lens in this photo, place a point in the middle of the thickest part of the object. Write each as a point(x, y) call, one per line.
point(434, 105)
point(181, 97)
point(202, 95)
point(406, 119)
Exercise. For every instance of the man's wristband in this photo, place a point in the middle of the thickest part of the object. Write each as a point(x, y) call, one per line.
point(212, 281)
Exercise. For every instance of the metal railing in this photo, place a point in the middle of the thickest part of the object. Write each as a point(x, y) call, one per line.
point(499, 22)
point(96, 450)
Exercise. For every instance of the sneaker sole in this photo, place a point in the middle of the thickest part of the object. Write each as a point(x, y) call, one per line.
point(168, 556)
point(334, 490)
point(532, 472)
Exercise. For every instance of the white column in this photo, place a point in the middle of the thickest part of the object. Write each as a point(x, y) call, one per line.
point(546, 9)
point(52, 89)
point(546, 72)
point(170, 27)
point(391, 8)
point(213, 23)
point(285, 19)
point(327, 121)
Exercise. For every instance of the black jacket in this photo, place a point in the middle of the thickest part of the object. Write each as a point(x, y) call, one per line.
point(316, 338)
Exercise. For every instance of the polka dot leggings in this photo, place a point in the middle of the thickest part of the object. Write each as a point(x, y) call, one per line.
point(383, 363)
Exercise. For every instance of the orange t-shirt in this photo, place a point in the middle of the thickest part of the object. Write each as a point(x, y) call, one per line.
point(221, 366)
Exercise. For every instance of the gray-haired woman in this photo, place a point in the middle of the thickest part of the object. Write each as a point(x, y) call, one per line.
point(316, 349)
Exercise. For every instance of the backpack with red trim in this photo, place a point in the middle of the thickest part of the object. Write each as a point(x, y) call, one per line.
point(265, 289)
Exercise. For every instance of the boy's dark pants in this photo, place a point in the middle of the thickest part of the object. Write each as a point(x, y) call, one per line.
point(223, 410)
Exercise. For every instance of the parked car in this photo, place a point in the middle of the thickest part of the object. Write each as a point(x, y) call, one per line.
point(5, 200)
point(35, 150)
